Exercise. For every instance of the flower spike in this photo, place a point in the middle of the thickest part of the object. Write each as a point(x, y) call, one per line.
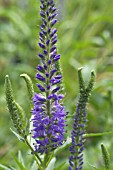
point(48, 114)
point(80, 120)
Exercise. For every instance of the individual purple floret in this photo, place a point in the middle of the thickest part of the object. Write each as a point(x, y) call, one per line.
point(48, 114)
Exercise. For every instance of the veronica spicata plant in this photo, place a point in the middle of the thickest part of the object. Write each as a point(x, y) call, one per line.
point(43, 130)
point(48, 112)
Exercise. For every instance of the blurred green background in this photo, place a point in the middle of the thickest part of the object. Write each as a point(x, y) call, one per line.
point(85, 39)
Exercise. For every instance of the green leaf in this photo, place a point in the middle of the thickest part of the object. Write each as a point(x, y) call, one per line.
point(19, 164)
point(51, 164)
point(34, 166)
point(64, 146)
point(16, 19)
point(94, 167)
point(17, 135)
point(60, 166)
point(6, 167)
point(88, 135)
point(106, 157)
point(97, 134)
point(20, 158)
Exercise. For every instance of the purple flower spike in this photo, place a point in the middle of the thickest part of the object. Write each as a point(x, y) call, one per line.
point(48, 114)
point(77, 135)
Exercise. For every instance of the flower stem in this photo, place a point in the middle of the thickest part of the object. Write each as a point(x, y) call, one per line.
point(37, 158)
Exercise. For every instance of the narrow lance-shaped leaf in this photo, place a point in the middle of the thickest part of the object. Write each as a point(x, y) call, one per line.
point(106, 157)
point(16, 112)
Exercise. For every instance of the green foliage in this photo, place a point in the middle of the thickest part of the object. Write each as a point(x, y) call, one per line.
point(85, 39)
point(51, 164)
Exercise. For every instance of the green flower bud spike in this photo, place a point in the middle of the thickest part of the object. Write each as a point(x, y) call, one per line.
point(16, 112)
point(58, 66)
point(80, 121)
point(29, 86)
point(85, 90)
point(106, 157)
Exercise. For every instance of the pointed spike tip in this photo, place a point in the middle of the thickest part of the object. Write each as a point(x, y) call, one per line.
point(79, 69)
point(7, 76)
point(93, 73)
point(22, 75)
point(106, 157)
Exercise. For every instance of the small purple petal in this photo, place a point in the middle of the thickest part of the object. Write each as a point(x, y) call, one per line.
point(54, 42)
point(57, 57)
point(41, 78)
point(53, 22)
point(49, 30)
point(53, 32)
point(41, 45)
point(56, 89)
point(58, 76)
point(48, 87)
point(44, 21)
point(40, 68)
point(39, 97)
point(40, 55)
point(41, 88)
point(53, 48)
point(49, 62)
point(52, 72)
point(47, 42)
point(42, 35)
point(45, 66)
point(47, 74)
point(54, 15)
point(45, 52)
point(42, 14)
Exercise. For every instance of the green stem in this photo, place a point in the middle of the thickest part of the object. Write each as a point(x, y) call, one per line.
point(85, 136)
point(37, 158)
point(50, 158)
point(97, 134)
